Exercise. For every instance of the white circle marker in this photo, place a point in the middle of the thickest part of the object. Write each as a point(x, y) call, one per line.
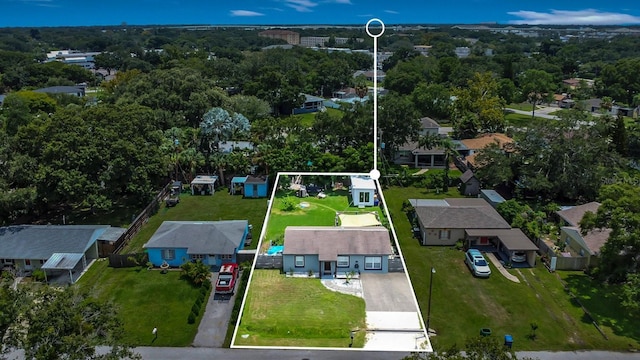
point(369, 31)
point(375, 174)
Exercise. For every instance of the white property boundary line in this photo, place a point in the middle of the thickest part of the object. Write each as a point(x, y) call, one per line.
point(427, 348)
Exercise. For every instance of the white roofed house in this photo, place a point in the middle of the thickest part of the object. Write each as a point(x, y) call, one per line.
point(363, 191)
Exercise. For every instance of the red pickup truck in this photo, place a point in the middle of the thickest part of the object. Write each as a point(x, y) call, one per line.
point(227, 278)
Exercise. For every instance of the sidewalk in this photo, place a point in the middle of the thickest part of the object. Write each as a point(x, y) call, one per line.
point(501, 268)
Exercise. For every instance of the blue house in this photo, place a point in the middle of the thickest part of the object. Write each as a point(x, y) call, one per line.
point(256, 187)
point(330, 251)
point(213, 242)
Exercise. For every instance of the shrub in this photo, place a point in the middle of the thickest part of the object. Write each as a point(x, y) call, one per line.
point(199, 301)
point(195, 309)
point(38, 275)
point(192, 318)
point(288, 204)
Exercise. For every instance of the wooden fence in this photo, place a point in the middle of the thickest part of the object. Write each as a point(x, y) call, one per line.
point(269, 262)
point(562, 262)
point(141, 219)
point(128, 260)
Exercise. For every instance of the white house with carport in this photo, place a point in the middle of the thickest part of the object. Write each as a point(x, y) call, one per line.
point(363, 191)
point(59, 250)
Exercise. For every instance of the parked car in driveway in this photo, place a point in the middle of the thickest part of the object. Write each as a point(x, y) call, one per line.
point(519, 257)
point(227, 278)
point(477, 263)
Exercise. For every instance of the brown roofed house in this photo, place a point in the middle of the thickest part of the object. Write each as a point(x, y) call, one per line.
point(327, 250)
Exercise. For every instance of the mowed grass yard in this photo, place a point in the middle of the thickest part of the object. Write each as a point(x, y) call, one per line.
point(293, 311)
point(462, 305)
point(320, 212)
point(148, 299)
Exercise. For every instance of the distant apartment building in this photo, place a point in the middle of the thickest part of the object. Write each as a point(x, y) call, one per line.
point(291, 37)
point(321, 41)
point(422, 49)
point(84, 59)
point(462, 51)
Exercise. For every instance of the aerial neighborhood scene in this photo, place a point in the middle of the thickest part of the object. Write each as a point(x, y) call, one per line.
point(339, 179)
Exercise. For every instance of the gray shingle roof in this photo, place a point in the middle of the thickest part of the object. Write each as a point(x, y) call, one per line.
point(41, 241)
point(573, 215)
point(463, 213)
point(329, 241)
point(199, 237)
point(466, 176)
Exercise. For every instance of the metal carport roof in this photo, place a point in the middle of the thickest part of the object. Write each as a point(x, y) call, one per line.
point(62, 261)
point(512, 239)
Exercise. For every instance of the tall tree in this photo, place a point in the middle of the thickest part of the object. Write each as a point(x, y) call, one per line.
point(478, 107)
point(536, 86)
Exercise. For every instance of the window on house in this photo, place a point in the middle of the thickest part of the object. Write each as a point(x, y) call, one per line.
point(168, 254)
point(42, 262)
point(27, 262)
point(299, 260)
point(6, 261)
point(364, 196)
point(196, 256)
point(343, 261)
point(373, 263)
point(226, 256)
point(444, 234)
point(581, 252)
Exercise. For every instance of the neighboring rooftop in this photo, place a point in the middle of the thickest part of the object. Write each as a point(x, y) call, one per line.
point(485, 140)
point(42, 241)
point(199, 237)
point(574, 214)
point(462, 213)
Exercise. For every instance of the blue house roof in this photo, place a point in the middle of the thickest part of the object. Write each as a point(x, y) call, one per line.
point(42, 241)
point(200, 237)
point(238, 179)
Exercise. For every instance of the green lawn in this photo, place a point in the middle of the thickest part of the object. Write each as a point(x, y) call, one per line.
point(286, 311)
point(220, 206)
point(519, 120)
point(320, 212)
point(309, 118)
point(521, 106)
point(146, 299)
point(462, 304)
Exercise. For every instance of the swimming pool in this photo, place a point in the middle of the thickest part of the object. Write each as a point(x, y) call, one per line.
point(275, 250)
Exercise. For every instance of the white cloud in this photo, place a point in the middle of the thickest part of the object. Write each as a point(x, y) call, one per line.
point(342, 2)
point(391, 12)
point(301, 5)
point(568, 17)
point(245, 13)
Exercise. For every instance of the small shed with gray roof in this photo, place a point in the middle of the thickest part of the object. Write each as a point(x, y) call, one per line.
point(24, 248)
point(212, 242)
point(331, 250)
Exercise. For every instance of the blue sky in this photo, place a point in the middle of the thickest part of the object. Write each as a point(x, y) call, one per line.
point(270, 12)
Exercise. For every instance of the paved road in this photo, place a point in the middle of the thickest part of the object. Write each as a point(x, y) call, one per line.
point(191, 353)
point(539, 113)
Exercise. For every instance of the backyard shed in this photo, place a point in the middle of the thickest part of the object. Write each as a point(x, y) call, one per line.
point(469, 184)
point(363, 190)
point(203, 185)
point(237, 184)
point(256, 186)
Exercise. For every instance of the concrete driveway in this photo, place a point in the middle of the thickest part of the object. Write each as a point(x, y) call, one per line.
point(387, 292)
point(393, 320)
point(214, 323)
